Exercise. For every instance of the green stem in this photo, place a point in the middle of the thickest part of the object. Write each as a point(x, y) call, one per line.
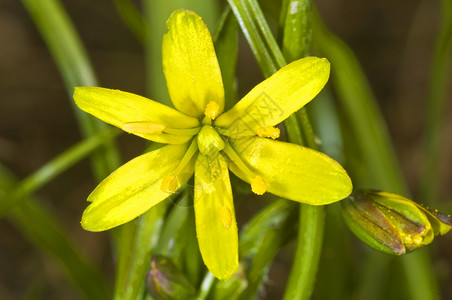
point(54, 168)
point(436, 100)
point(72, 61)
point(132, 18)
point(309, 246)
point(258, 34)
point(297, 29)
point(295, 44)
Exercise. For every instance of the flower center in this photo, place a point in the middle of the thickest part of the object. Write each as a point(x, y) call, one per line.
point(209, 141)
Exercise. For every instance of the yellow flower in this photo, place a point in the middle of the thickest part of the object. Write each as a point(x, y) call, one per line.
point(205, 141)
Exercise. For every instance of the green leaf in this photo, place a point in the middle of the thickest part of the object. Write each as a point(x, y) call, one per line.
point(297, 30)
point(173, 239)
point(67, 50)
point(52, 169)
point(437, 99)
point(137, 239)
point(132, 18)
point(262, 238)
point(226, 47)
point(258, 34)
point(309, 247)
point(46, 233)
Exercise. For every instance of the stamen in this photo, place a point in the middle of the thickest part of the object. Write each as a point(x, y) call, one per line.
point(170, 183)
point(187, 156)
point(143, 127)
point(258, 184)
point(225, 217)
point(268, 132)
point(212, 110)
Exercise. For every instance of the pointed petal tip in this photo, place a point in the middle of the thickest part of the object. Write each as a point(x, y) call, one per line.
point(89, 223)
point(180, 12)
point(88, 226)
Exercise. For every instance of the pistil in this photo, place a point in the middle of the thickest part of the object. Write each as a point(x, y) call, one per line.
point(268, 132)
point(170, 183)
point(258, 184)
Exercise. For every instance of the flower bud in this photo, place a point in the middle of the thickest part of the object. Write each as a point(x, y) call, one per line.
point(166, 282)
point(387, 222)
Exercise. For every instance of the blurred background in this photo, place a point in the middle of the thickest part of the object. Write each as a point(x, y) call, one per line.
point(393, 41)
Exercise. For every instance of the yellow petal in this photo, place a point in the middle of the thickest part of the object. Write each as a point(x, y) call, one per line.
point(119, 108)
point(216, 226)
point(133, 188)
point(276, 98)
point(192, 73)
point(292, 171)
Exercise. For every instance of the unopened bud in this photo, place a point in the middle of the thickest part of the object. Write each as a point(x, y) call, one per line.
point(387, 222)
point(165, 281)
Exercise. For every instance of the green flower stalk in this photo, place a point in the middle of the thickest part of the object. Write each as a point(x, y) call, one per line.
point(205, 141)
point(391, 223)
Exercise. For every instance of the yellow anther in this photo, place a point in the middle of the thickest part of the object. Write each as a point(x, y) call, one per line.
point(225, 217)
point(170, 184)
point(212, 110)
point(268, 132)
point(143, 127)
point(258, 185)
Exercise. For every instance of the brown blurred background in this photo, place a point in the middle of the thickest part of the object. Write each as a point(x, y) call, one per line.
point(393, 40)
